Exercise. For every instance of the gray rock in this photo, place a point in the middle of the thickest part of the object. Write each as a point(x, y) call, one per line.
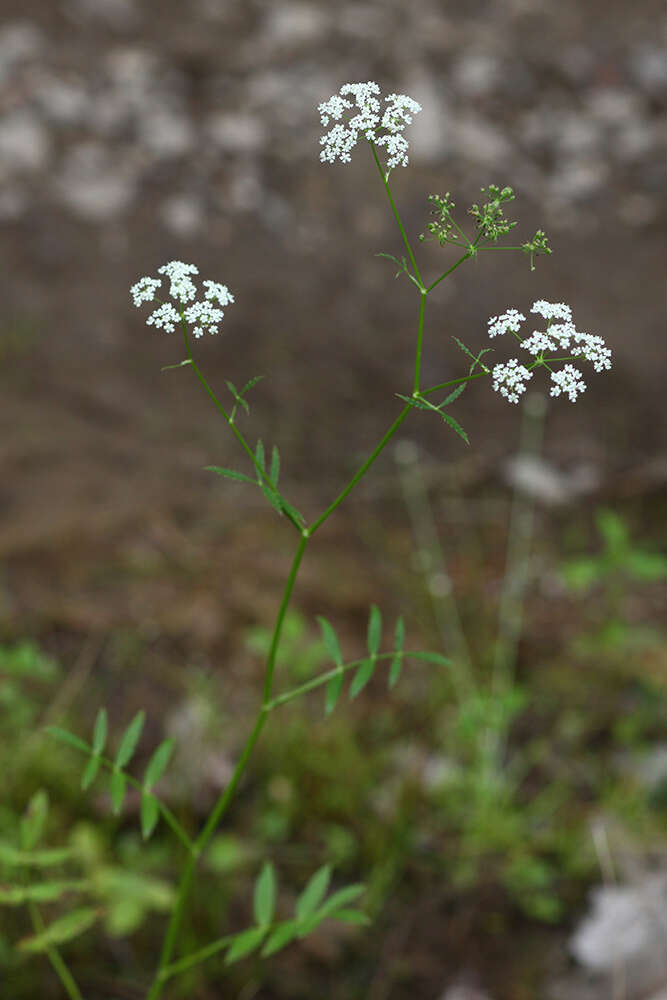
point(24, 142)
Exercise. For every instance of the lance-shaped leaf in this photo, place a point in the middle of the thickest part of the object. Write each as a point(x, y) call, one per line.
point(34, 820)
point(340, 899)
point(100, 731)
point(334, 688)
point(275, 466)
point(117, 788)
point(14, 858)
point(397, 659)
point(66, 737)
point(313, 894)
point(264, 901)
point(150, 814)
point(331, 641)
point(229, 474)
point(130, 738)
point(454, 425)
point(431, 658)
point(90, 773)
point(281, 936)
point(244, 943)
point(374, 634)
point(44, 892)
point(237, 396)
point(353, 917)
point(158, 763)
point(454, 394)
point(362, 676)
point(64, 929)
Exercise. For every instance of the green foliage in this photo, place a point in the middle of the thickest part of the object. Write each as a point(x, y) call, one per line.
point(619, 558)
point(299, 656)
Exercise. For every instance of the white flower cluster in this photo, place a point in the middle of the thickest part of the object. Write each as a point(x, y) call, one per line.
point(510, 380)
point(203, 316)
point(383, 128)
point(511, 320)
point(560, 335)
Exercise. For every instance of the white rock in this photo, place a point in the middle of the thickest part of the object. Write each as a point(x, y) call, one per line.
point(24, 142)
point(627, 927)
point(236, 133)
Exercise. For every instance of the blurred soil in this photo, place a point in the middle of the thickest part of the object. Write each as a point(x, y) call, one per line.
point(134, 133)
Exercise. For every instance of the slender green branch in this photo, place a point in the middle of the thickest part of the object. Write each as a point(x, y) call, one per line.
point(453, 381)
point(385, 181)
point(362, 471)
point(420, 334)
point(453, 268)
point(237, 433)
point(196, 957)
point(55, 958)
point(321, 679)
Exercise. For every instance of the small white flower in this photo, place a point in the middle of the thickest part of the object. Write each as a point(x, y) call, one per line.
point(593, 349)
point(552, 310)
point(182, 287)
point(204, 317)
point(569, 381)
point(368, 120)
point(214, 290)
point(538, 342)
point(144, 290)
point(510, 320)
point(510, 379)
point(164, 318)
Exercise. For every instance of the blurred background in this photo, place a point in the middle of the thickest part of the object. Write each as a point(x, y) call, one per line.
point(136, 133)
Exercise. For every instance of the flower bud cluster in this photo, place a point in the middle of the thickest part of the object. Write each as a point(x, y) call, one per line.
point(560, 335)
point(364, 117)
point(203, 316)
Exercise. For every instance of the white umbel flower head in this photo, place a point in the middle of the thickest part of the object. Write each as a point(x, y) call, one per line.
point(560, 335)
point(358, 112)
point(510, 380)
point(203, 316)
point(569, 381)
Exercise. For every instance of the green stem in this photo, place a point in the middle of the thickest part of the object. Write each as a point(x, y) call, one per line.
point(453, 381)
point(385, 181)
point(315, 682)
point(420, 332)
point(446, 273)
point(55, 958)
point(225, 798)
point(364, 468)
point(197, 957)
point(237, 433)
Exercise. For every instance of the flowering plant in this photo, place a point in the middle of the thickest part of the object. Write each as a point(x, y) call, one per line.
point(359, 116)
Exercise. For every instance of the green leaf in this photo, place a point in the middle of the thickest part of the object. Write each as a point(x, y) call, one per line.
point(259, 456)
point(90, 773)
point(229, 474)
point(313, 894)
point(275, 466)
point(397, 661)
point(128, 743)
point(237, 396)
point(13, 858)
point(158, 763)
point(418, 404)
point(265, 895)
point(361, 678)
point(331, 640)
point(45, 892)
point(334, 688)
point(66, 737)
point(289, 509)
point(100, 731)
point(431, 658)
point(454, 425)
point(454, 394)
point(341, 898)
point(150, 814)
point(251, 383)
point(34, 820)
point(244, 943)
point(117, 786)
point(281, 937)
point(374, 630)
point(64, 929)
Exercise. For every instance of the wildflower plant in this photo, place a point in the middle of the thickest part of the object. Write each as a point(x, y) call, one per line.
point(357, 116)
